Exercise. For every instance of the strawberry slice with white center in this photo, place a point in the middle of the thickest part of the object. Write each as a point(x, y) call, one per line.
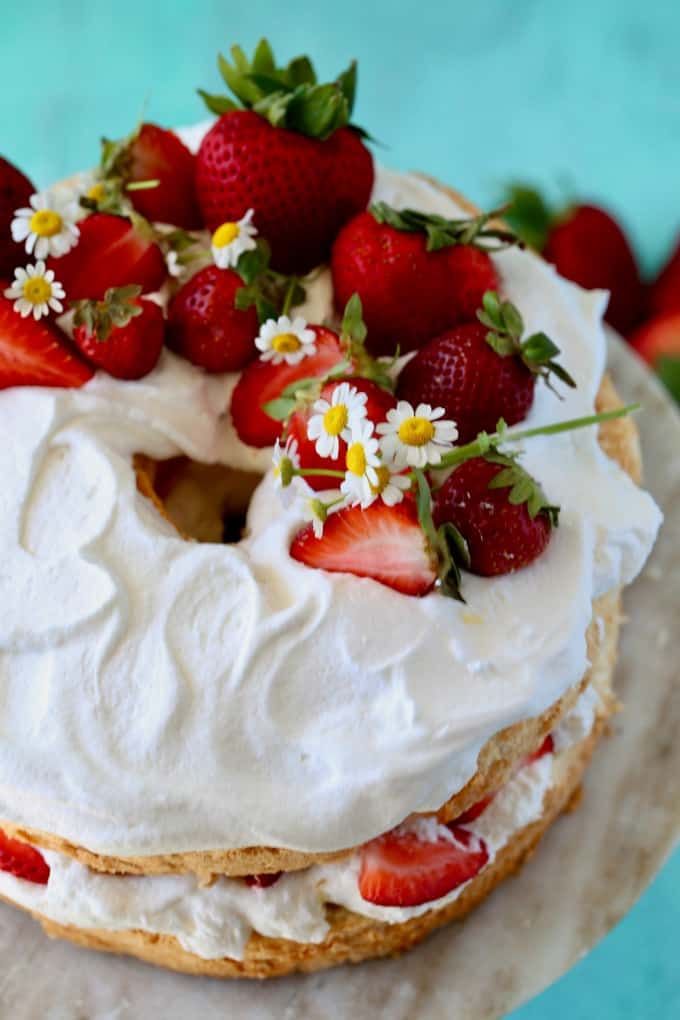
point(36, 353)
point(383, 542)
point(401, 870)
point(476, 809)
point(23, 861)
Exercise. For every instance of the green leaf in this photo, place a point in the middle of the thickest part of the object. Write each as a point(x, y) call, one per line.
point(300, 386)
point(279, 409)
point(252, 263)
point(348, 85)
point(523, 487)
point(317, 110)
point(217, 104)
point(512, 320)
point(453, 553)
point(528, 215)
point(236, 78)
point(667, 368)
point(300, 71)
point(353, 326)
point(263, 58)
point(503, 345)
point(443, 233)
point(539, 349)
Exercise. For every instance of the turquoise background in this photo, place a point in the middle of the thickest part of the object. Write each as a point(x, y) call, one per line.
point(581, 97)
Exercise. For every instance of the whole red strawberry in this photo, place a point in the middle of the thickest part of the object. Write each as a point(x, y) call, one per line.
point(409, 293)
point(154, 154)
point(501, 535)
point(296, 161)
point(206, 327)
point(36, 353)
point(123, 334)
point(15, 191)
point(665, 291)
point(587, 245)
point(111, 252)
point(461, 372)
point(263, 381)
point(378, 403)
point(23, 861)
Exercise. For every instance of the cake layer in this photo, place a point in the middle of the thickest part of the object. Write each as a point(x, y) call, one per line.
point(312, 919)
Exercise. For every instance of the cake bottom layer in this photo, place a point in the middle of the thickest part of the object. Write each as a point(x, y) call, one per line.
point(536, 796)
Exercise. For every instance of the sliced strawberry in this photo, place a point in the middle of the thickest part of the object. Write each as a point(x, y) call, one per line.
point(15, 192)
point(401, 870)
point(379, 402)
point(263, 881)
point(547, 747)
point(157, 154)
point(36, 353)
point(263, 381)
point(110, 253)
point(381, 542)
point(206, 327)
point(23, 861)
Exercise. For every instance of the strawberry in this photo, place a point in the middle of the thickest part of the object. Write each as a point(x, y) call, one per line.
point(205, 326)
point(263, 881)
point(23, 861)
point(658, 342)
point(586, 245)
point(503, 531)
point(665, 291)
point(378, 403)
point(295, 161)
point(123, 334)
point(381, 542)
point(409, 293)
point(15, 192)
point(110, 252)
point(460, 372)
point(153, 154)
point(401, 870)
point(262, 381)
point(36, 353)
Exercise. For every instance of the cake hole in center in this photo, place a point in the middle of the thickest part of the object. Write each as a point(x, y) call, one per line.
point(205, 502)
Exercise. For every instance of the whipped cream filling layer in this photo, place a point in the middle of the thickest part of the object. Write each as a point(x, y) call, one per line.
point(160, 696)
point(217, 920)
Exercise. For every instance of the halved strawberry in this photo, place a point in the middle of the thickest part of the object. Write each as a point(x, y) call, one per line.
point(383, 542)
point(378, 403)
point(263, 381)
point(264, 880)
point(110, 253)
point(36, 353)
point(23, 861)
point(401, 870)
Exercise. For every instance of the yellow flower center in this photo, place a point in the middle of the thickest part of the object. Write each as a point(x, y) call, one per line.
point(416, 431)
point(383, 474)
point(356, 459)
point(286, 343)
point(37, 290)
point(225, 234)
point(335, 420)
point(46, 223)
point(97, 192)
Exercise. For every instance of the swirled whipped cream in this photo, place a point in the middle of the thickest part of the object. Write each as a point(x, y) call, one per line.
point(161, 696)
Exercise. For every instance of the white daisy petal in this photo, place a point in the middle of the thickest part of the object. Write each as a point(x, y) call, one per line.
point(281, 340)
point(47, 227)
point(417, 436)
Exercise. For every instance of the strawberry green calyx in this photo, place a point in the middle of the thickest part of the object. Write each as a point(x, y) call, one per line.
point(505, 325)
point(100, 318)
point(523, 487)
point(529, 215)
point(272, 293)
point(446, 545)
point(477, 231)
point(109, 193)
point(289, 97)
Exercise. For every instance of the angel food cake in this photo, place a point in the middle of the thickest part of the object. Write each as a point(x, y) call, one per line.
point(318, 504)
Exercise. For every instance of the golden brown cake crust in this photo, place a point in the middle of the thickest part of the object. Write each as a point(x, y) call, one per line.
point(497, 759)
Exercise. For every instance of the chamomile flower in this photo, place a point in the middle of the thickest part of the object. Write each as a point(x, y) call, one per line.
point(48, 227)
point(336, 419)
point(362, 462)
point(286, 460)
point(391, 488)
point(35, 291)
point(232, 239)
point(285, 340)
point(314, 511)
point(415, 437)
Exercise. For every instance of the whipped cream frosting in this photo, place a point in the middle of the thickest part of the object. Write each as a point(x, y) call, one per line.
point(216, 921)
point(161, 696)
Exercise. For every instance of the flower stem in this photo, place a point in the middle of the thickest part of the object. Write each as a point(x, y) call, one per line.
point(290, 291)
point(321, 472)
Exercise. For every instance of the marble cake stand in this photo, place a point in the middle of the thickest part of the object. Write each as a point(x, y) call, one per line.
point(590, 869)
